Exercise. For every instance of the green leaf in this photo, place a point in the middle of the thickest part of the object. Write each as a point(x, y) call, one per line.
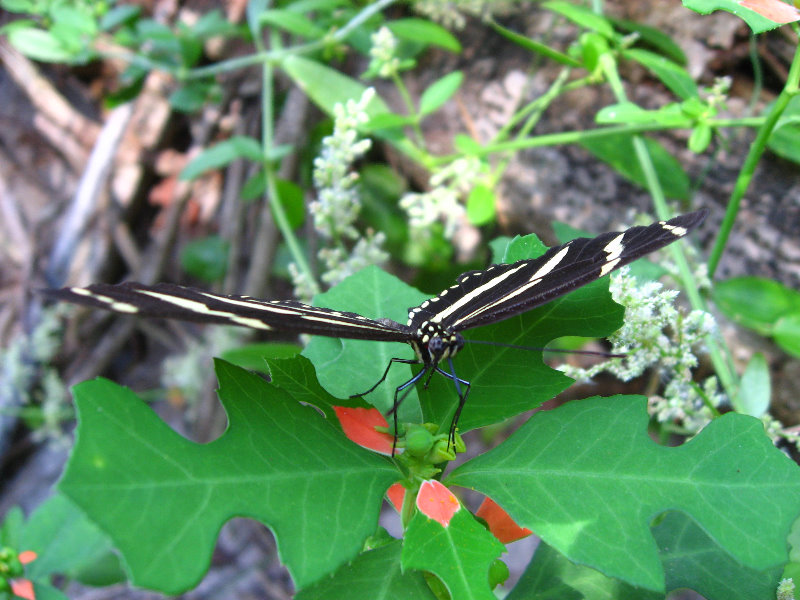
point(588, 480)
point(460, 554)
point(347, 367)
point(754, 20)
point(119, 15)
point(755, 302)
point(783, 140)
point(292, 22)
point(372, 575)
point(439, 92)
point(66, 542)
point(692, 559)
point(672, 75)
point(535, 46)
point(38, 44)
point(222, 154)
point(670, 115)
point(253, 356)
point(480, 205)
point(466, 144)
point(582, 16)
point(618, 151)
point(163, 499)
point(254, 10)
point(328, 87)
point(388, 121)
point(787, 333)
point(194, 94)
point(420, 30)
point(296, 377)
point(206, 258)
point(11, 529)
point(653, 37)
point(592, 46)
point(211, 24)
point(551, 575)
point(700, 138)
point(754, 388)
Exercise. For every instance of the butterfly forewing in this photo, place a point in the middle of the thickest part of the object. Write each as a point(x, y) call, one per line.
point(188, 304)
point(502, 291)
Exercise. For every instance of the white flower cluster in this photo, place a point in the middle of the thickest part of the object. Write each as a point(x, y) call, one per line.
point(338, 204)
point(25, 359)
point(777, 431)
point(441, 202)
point(785, 590)
point(451, 13)
point(655, 334)
point(188, 371)
point(384, 62)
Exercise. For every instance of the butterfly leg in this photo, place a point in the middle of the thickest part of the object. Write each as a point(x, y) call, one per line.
point(462, 398)
point(405, 361)
point(408, 386)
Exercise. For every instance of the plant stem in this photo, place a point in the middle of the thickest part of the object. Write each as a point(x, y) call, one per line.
point(751, 162)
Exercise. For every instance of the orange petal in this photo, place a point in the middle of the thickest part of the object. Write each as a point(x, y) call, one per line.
point(27, 556)
point(500, 524)
point(436, 502)
point(359, 425)
point(23, 588)
point(774, 10)
point(396, 494)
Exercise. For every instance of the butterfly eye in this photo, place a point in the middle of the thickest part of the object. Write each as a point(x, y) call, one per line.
point(436, 346)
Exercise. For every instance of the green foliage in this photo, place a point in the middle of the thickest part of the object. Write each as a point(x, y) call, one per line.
point(620, 516)
point(460, 555)
point(764, 305)
point(755, 388)
point(617, 151)
point(206, 258)
point(198, 487)
point(591, 493)
point(783, 140)
point(66, 543)
point(756, 22)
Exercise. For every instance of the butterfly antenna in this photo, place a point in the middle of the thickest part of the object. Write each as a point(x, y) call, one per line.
point(558, 350)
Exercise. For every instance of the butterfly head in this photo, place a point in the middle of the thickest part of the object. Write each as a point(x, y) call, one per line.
point(434, 343)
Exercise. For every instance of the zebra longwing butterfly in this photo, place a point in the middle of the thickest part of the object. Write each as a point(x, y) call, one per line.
point(433, 328)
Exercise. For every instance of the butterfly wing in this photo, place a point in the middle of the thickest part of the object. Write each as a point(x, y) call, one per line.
point(502, 291)
point(169, 301)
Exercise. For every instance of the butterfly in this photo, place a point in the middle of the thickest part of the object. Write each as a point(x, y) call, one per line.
point(433, 329)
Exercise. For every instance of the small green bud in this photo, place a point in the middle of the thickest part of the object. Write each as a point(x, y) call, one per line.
point(441, 452)
point(418, 440)
point(498, 573)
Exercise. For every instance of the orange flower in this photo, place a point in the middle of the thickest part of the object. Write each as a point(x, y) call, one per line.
point(500, 523)
point(23, 588)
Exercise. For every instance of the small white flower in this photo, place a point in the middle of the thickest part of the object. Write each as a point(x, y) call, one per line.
point(338, 204)
point(655, 334)
point(441, 202)
point(384, 61)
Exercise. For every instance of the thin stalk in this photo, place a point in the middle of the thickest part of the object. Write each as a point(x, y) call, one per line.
point(574, 137)
point(267, 141)
point(751, 162)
